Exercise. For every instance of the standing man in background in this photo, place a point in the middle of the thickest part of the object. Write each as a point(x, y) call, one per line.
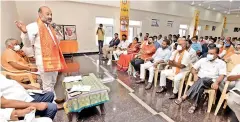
point(100, 32)
point(49, 58)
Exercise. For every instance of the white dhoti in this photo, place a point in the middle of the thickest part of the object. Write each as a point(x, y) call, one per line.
point(117, 53)
point(149, 66)
point(176, 80)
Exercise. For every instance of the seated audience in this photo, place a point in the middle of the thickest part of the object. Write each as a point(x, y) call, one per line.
point(171, 47)
point(147, 50)
point(192, 53)
point(206, 39)
point(202, 41)
point(12, 110)
point(156, 43)
point(220, 46)
point(124, 59)
point(111, 47)
point(170, 38)
point(208, 73)
point(234, 59)
point(180, 62)
point(196, 46)
point(233, 100)
point(12, 90)
point(160, 39)
point(228, 49)
point(13, 61)
point(162, 55)
point(121, 48)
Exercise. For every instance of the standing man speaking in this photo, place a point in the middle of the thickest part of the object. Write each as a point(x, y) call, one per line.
point(49, 58)
point(100, 32)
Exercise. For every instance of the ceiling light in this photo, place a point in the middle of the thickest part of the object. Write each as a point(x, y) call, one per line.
point(225, 11)
point(192, 3)
point(230, 0)
point(209, 7)
point(213, 8)
point(199, 4)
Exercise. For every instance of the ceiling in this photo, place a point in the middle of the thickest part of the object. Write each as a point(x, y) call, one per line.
point(223, 6)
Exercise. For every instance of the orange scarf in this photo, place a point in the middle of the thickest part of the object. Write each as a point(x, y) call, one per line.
point(229, 52)
point(52, 56)
point(179, 61)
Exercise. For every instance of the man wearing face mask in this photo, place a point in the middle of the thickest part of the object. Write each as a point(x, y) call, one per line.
point(196, 46)
point(12, 61)
point(49, 57)
point(208, 73)
point(180, 62)
point(228, 49)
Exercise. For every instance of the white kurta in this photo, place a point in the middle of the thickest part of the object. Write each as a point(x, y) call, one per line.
point(48, 78)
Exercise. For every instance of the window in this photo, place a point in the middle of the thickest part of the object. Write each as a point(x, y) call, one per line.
point(134, 29)
point(108, 28)
point(183, 26)
point(134, 23)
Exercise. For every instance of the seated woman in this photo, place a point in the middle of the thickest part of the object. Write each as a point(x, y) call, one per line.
point(124, 59)
point(14, 61)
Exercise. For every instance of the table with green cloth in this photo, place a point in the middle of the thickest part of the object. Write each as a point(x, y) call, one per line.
point(97, 95)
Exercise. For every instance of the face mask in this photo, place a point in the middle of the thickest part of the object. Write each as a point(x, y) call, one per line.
point(16, 47)
point(227, 45)
point(179, 47)
point(219, 46)
point(210, 57)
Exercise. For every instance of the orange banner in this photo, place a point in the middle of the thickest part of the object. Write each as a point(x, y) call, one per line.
point(196, 19)
point(124, 17)
point(224, 25)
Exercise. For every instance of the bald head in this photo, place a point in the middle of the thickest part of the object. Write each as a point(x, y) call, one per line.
point(45, 14)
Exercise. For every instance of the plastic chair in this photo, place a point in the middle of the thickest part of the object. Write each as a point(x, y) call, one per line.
point(156, 73)
point(211, 92)
point(29, 75)
point(223, 98)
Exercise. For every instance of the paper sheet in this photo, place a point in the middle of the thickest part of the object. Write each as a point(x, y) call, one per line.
point(72, 79)
point(35, 91)
point(84, 88)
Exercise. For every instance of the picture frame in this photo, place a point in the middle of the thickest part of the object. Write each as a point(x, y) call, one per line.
point(70, 32)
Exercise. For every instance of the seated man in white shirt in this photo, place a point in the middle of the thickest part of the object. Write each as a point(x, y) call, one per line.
point(208, 73)
point(13, 109)
point(233, 100)
point(122, 47)
point(180, 62)
point(162, 55)
point(12, 90)
point(192, 52)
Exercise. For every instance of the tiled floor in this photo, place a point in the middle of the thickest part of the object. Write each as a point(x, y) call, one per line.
point(145, 106)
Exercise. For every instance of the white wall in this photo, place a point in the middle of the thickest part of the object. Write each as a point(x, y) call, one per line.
point(83, 13)
point(232, 22)
point(8, 16)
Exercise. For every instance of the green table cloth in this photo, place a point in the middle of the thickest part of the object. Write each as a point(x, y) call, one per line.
point(96, 96)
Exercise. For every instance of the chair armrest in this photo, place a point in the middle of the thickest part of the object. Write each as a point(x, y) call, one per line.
point(29, 75)
point(225, 87)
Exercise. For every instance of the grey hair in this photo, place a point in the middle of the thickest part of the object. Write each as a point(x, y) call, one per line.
point(8, 41)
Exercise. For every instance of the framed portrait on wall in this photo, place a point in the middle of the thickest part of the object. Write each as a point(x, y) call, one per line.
point(207, 27)
point(235, 29)
point(59, 29)
point(213, 28)
point(155, 23)
point(70, 32)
